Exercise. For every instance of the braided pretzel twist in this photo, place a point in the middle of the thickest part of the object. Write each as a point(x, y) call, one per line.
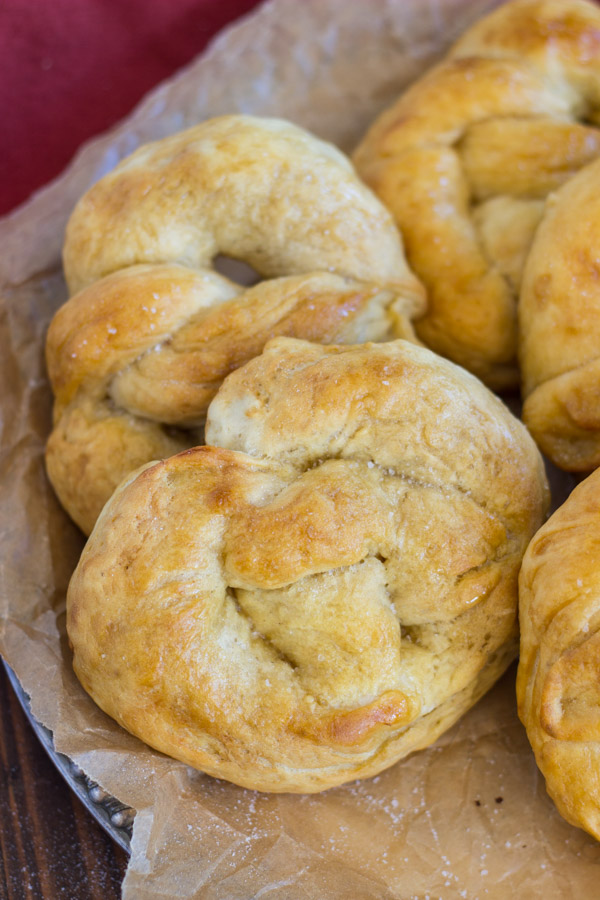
point(559, 324)
point(466, 157)
point(137, 354)
point(557, 681)
point(326, 588)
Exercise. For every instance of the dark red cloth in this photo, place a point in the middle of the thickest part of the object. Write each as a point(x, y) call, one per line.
point(71, 68)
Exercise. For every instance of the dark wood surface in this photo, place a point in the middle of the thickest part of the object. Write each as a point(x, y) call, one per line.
point(50, 846)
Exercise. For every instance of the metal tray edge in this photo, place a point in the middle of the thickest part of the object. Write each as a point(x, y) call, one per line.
point(112, 815)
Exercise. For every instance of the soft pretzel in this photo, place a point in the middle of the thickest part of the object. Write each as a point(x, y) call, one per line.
point(326, 587)
point(466, 157)
point(559, 315)
point(136, 356)
point(558, 685)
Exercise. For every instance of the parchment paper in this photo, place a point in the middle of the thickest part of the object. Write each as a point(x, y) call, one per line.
point(467, 818)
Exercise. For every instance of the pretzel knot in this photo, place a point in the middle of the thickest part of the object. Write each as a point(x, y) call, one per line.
point(557, 683)
point(137, 354)
point(329, 584)
point(466, 157)
point(559, 318)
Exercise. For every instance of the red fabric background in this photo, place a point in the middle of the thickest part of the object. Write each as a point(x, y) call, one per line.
point(71, 68)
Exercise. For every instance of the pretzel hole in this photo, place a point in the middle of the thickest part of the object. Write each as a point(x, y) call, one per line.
point(185, 434)
point(411, 634)
point(236, 270)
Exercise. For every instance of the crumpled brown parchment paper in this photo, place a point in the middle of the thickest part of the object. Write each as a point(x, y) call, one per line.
point(468, 817)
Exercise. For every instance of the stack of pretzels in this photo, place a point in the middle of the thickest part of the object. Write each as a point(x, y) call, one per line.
point(320, 575)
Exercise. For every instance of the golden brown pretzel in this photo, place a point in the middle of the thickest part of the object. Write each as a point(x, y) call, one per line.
point(137, 354)
point(558, 685)
point(559, 316)
point(330, 586)
point(466, 157)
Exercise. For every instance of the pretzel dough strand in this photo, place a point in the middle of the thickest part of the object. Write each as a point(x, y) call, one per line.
point(557, 683)
point(560, 326)
point(137, 353)
point(496, 121)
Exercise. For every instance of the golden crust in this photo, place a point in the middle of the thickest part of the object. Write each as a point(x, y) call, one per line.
point(557, 684)
point(328, 586)
point(559, 317)
point(260, 190)
point(466, 156)
point(152, 330)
